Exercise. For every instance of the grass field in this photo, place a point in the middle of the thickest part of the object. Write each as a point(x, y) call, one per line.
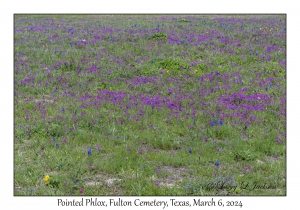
point(149, 105)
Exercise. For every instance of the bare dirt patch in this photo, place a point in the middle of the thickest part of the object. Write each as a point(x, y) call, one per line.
point(46, 98)
point(175, 175)
point(271, 159)
point(105, 180)
point(259, 161)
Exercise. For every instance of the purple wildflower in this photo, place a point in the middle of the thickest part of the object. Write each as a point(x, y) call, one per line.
point(247, 169)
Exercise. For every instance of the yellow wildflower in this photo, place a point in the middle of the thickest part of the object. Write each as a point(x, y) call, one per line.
point(195, 71)
point(168, 71)
point(46, 179)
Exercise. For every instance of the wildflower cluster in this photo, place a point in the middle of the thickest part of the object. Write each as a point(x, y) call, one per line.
point(216, 122)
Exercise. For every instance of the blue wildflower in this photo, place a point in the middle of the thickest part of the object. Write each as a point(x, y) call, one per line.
point(240, 80)
point(217, 163)
point(190, 150)
point(221, 122)
point(89, 151)
point(57, 146)
point(214, 122)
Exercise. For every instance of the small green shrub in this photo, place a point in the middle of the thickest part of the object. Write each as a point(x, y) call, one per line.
point(158, 36)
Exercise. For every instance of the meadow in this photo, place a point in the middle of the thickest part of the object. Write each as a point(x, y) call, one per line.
point(149, 105)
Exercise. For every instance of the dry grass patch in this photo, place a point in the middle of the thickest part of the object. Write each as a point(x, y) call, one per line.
point(105, 180)
point(175, 175)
